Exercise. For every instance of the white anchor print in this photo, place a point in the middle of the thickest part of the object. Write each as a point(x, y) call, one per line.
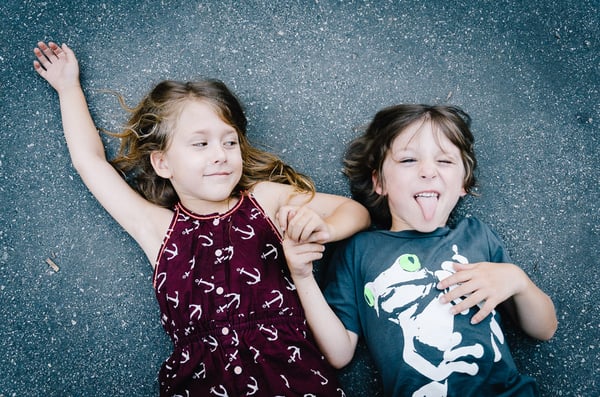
point(224, 254)
point(278, 298)
point(197, 311)
point(187, 231)
point(192, 263)
point(185, 357)
point(287, 383)
point(255, 277)
point(295, 354)
point(235, 298)
point(211, 286)
point(201, 373)
point(187, 393)
point(174, 252)
point(209, 241)
point(235, 340)
point(246, 234)
point(182, 217)
point(233, 356)
point(290, 285)
point(256, 353)
point(163, 277)
point(175, 299)
point(272, 331)
point(212, 342)
point(252, 386)
point(272, 250)
point(254, 213)
point(222, 392)
point(318, 373)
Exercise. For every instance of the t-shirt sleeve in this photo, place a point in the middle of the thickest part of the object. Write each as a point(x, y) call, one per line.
point(498, 252)
point(340, 288)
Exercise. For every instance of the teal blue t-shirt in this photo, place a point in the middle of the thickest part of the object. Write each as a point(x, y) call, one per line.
point(383, 288)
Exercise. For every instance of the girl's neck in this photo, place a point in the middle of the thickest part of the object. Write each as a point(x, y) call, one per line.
point(202, 207)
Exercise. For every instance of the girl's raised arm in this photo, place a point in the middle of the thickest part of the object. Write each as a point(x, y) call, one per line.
point(144, 221)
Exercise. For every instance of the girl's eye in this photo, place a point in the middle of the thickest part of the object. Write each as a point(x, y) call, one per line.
point(199, 144)
point(446, 161)
point(231, 143)
point(407, 161)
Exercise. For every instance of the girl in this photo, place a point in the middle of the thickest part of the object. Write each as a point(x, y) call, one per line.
point(209, 211)
point(422, 293)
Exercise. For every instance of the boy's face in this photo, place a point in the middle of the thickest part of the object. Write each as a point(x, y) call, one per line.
point(423, 178)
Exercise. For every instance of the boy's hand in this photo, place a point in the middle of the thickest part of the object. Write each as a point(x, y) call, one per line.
point(487, 283)
point(57, 65)
point(300, 256)
point(302, 224)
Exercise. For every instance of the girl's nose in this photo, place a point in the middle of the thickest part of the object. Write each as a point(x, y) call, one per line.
point(218, 154)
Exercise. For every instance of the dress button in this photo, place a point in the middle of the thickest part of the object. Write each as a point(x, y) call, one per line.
point(220, 291)
point(225, 331)
point(237, 370)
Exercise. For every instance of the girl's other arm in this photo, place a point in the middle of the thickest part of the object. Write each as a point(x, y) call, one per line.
point(496, 283)
point(145, 222)
point(336, 343)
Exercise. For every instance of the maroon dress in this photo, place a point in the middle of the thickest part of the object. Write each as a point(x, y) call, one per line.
point(230, 307)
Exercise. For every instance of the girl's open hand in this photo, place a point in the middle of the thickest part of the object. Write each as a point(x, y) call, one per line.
point(302, 224)
point(487, 283)
point(57, 65)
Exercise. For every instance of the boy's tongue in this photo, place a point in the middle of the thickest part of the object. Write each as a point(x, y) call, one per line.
point(428, 205)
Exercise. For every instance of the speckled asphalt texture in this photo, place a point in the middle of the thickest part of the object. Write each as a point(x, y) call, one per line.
point(309, 73)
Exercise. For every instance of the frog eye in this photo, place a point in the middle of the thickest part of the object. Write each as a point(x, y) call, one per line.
point(409, 262)
point(369, 296)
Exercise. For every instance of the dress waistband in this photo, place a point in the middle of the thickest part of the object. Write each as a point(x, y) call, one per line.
point(222, 328)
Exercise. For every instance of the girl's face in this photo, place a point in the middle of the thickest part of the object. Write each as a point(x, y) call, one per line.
point(422, 176)
point(203, 159)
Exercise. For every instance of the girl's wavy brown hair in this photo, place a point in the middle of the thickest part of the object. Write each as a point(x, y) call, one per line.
point(151, 126)
point(365, 155)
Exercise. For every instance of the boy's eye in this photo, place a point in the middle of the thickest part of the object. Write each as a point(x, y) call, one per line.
point(199, 144)
point(446, 161)
point(231, 143)
point(407, 161)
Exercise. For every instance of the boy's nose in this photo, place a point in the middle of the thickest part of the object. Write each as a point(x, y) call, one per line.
point(428, 170)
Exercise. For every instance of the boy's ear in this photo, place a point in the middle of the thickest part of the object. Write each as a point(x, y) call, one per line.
point(377, 183)
point(160, 164)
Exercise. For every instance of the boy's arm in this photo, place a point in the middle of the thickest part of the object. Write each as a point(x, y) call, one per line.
point(145, 222)
point(493, 284)
point(336, 343)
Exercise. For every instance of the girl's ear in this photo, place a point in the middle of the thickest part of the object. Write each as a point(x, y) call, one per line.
point(160, 164)
point(377, 183)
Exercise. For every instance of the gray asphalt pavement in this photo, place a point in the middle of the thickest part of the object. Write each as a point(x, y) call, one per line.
point(309, 73)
